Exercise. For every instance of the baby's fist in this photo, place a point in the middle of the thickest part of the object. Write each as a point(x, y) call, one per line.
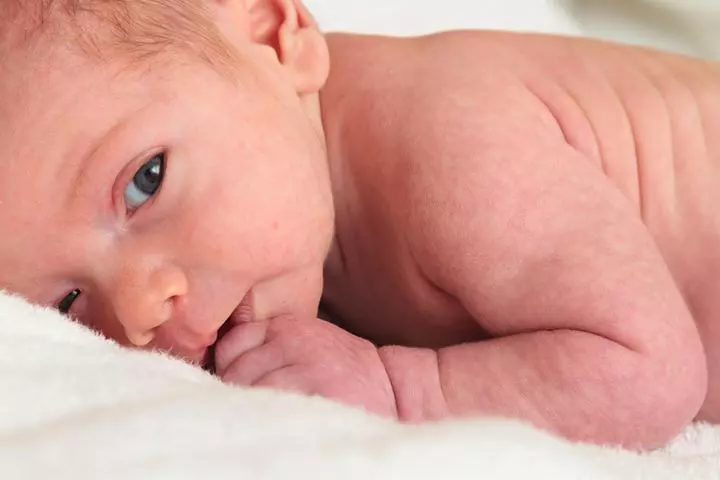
point(310, 356)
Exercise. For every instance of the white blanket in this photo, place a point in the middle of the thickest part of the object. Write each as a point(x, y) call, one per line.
point(73, 405)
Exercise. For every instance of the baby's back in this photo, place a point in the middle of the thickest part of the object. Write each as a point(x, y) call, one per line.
point(649, 121)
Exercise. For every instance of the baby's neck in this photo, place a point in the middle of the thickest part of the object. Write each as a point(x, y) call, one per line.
point(345, 139)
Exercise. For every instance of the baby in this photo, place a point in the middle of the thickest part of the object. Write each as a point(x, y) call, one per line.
point(496, 223)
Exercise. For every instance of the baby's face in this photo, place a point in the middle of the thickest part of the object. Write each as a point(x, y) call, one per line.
point(166, 197)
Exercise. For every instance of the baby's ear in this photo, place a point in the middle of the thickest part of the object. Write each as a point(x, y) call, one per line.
point(288, 27)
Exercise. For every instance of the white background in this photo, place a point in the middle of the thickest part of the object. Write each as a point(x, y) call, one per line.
point(405, 17)
point(687, 26)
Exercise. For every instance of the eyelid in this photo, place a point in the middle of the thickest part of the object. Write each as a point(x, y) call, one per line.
point(125, 177)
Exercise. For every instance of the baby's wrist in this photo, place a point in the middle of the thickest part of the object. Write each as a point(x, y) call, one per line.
point(415, 380)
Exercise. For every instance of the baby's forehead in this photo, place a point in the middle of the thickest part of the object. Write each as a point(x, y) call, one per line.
point(52, 111)
point(35, 90)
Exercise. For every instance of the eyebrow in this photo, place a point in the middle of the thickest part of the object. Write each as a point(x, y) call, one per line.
point(85, 168)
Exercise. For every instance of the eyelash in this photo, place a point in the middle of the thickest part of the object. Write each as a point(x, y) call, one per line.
point(65, 305)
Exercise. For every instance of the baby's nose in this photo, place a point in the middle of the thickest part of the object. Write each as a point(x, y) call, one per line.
point(142, 303)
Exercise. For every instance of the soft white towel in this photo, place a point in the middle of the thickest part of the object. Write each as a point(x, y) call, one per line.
point(73, 405)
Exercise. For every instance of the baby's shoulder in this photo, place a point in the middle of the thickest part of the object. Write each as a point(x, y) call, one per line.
point(431, 100)
point(420, 125)
point(429, 86)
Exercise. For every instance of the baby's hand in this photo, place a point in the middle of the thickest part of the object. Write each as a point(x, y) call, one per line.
point(310, 356)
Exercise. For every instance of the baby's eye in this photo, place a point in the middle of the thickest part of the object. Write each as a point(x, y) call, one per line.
point(145, 183)
point(66, 303)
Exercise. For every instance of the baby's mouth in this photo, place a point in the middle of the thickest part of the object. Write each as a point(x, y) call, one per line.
point(209, 362)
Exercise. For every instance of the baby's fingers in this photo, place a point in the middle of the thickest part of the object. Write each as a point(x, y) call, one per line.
point(240, 339)
point(252, 366)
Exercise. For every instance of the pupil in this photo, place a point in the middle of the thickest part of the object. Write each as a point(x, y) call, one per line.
point(149, 177)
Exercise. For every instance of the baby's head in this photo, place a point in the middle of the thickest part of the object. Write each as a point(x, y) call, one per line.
point(164, 158)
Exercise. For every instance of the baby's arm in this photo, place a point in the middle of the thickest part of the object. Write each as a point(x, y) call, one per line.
point(577, 384)
point(593, 339)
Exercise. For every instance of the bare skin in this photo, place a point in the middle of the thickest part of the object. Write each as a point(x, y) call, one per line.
point(524, 226)
point(530, 219)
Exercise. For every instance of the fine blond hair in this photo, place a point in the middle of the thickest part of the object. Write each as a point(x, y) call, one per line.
point(140, 29)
